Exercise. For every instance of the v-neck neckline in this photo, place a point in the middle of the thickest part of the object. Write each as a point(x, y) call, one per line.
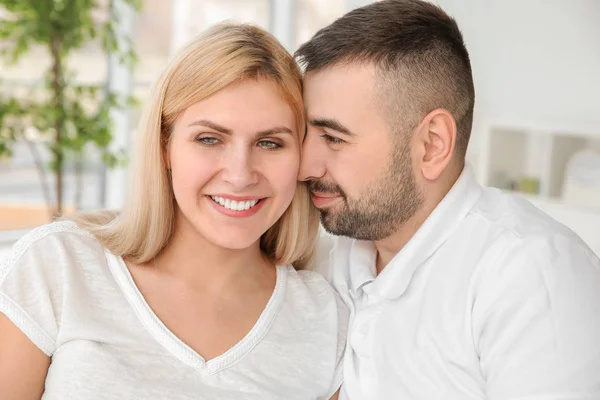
point(175, 345)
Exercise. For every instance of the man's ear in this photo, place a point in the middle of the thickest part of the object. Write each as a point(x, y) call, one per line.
point(435, 141)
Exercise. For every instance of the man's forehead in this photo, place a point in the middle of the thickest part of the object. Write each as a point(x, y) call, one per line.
point(343, 99)
point(341, 73)
point(338, 88)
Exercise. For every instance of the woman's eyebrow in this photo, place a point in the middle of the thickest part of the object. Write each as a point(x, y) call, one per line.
point(212, 125)
point(227, 131)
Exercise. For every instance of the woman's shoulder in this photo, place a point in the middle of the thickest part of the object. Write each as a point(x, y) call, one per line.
point(307, 280)
point(66, 232)
point(34, 278)
point(311, 289)
point(57, 228)
point(51, 242)
point(316, 311)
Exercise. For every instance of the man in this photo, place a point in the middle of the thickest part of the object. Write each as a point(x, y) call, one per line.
point(455, 291)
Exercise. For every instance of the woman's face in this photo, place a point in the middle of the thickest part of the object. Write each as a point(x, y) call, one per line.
point(234, 160)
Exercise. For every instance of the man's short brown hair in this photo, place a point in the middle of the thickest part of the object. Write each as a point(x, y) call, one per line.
point(420, 57)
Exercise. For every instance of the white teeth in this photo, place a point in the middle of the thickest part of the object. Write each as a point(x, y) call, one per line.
point(234, 205)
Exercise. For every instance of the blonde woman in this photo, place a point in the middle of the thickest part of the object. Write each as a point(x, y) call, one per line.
point(194, 290)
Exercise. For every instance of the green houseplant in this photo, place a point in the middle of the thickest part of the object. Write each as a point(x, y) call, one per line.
point(66, 114)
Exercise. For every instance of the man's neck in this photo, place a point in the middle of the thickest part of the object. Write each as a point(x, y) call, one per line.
point(388, 248)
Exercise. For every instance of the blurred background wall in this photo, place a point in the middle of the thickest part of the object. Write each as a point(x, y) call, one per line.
point(536, 66)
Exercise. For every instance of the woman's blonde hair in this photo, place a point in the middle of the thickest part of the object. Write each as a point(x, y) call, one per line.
point(226, 54)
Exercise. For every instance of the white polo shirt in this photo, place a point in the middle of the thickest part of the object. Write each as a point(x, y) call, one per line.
point(491, 299)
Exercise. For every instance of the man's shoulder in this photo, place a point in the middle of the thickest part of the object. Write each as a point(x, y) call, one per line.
point(331, 255)
point(508, 227)
point(504, 214)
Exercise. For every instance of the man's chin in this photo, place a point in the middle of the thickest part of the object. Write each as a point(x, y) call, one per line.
point(329, 223)
point(337, 224)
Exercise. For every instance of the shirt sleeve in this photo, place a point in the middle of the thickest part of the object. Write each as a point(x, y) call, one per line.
point(536, 322)
point(31, 290)
point(338, 377)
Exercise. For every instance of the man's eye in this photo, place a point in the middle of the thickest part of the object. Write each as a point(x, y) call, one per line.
point(332, 139)
point(208, 140)
point(269, 145)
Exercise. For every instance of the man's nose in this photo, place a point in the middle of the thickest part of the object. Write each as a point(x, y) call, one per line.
point(312, 162)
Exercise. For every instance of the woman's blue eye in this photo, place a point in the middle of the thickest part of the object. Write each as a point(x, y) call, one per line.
point(332, 139)
point(269, 144)
point(208, 140)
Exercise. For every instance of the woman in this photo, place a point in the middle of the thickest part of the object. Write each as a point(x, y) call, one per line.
point(191, 291)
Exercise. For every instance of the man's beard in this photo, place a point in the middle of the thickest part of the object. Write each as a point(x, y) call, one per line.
point(383, 206)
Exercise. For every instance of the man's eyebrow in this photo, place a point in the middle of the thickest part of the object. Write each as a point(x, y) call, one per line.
point(331, 124)
point(211, 125)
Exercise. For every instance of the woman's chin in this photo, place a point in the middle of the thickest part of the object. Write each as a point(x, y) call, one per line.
point(236, 245)
point(233, 240)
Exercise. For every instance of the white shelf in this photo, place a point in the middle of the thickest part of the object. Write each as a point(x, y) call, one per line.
point(518, 158)
point(531, 159)
point(589, 129)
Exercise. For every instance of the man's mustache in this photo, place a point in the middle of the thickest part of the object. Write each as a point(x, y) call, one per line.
point(320, 186)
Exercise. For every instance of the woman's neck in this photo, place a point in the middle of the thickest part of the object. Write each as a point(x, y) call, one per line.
point(191, 258)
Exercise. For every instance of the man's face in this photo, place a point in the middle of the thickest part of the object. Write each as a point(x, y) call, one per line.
point(359, 168)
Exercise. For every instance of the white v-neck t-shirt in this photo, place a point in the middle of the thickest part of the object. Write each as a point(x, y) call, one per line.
point(78, 303)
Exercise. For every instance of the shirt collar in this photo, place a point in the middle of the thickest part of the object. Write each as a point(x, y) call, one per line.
point(445, 218)
point(361, 265)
